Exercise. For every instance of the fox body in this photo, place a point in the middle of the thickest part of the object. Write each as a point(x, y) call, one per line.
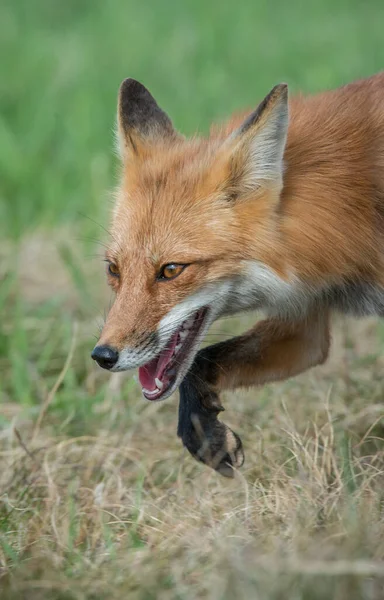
point(281, 209)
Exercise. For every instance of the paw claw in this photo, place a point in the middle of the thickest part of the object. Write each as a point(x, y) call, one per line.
point(216, 445)
point(234, 458)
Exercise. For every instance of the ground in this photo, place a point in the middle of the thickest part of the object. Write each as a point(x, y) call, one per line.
point(98, 500)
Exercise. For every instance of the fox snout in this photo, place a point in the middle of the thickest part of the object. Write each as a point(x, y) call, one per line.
point(163, 357)
point(105, 356)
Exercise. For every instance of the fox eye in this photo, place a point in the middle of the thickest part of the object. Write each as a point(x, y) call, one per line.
point(113, 270)
point(170, 271)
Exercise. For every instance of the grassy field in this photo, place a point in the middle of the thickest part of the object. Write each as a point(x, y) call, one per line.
point(98, 501)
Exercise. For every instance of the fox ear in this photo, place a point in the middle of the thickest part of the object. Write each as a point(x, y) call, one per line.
point(139, 117)
point(258, 144)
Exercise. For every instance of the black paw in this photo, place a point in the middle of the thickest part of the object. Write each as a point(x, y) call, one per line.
point(212, 442)
point(208, 440)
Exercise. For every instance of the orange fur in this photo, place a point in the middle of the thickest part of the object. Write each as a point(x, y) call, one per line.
point(328, 224)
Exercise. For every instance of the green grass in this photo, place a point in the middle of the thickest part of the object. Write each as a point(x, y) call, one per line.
point(64, 62)
point(97, 498)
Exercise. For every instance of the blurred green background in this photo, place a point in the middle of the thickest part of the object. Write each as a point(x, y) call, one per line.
point(62, 63)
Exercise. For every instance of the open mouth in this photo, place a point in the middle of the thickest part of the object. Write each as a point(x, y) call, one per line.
point(159, 375)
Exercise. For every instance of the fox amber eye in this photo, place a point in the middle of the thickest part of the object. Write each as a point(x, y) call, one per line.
point(113, 270)
point(171, 271)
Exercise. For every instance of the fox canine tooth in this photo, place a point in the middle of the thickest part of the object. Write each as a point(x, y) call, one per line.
point(177, 348)
point(183, 334)
point(159, 383)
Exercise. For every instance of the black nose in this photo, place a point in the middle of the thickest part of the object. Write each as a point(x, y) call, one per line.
point(105, 356)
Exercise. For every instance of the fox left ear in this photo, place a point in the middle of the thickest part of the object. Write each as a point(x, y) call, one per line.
point(258, 144)
point(139, 118)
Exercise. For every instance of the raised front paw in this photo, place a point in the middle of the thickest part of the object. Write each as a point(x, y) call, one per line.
point(208, 439)
point(212, 442)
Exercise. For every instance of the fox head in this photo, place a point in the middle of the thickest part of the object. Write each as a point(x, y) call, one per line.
point(193, 234)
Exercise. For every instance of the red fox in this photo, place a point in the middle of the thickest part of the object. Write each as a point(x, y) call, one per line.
point(281, 209)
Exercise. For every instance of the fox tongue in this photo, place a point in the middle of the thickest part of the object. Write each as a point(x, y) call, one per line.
point(155, 368)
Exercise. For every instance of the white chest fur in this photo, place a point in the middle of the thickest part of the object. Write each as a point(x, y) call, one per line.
point(259, 287)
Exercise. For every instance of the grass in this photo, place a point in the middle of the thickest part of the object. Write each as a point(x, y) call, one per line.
point(97, 498)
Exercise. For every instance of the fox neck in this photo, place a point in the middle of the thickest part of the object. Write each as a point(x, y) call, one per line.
point(260, 288)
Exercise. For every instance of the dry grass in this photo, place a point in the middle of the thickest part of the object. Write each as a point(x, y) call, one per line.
point(98, 499)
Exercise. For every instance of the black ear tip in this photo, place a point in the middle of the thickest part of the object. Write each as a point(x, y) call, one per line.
point(131, 86)
point(138, 111)
point(129, 82)
point(281, 89)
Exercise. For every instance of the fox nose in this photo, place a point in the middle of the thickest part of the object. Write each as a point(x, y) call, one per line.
point(105, 356)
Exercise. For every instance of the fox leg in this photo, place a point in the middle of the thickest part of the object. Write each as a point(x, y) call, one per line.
point(273, 350)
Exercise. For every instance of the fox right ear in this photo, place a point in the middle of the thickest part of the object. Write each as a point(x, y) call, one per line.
point(258, 144)
point(139, 118)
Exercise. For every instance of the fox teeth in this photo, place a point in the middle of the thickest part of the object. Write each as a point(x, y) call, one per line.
point(177, 348)
point(159, 383)
point(150, 392)
point(183, 334)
